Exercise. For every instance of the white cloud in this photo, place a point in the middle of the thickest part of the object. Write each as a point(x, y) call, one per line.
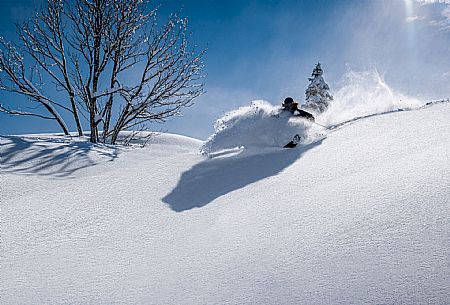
point(410, 19)
point(444, 23)
point(442, 20)
point(424, 2)
point(446, 12)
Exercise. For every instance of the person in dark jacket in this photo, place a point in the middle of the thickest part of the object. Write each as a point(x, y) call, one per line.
point(290, 105)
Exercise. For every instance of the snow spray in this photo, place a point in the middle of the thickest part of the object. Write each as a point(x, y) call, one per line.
point(258, 126)
point(362, 94)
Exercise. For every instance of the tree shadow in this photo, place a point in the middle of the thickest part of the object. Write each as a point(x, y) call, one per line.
point(58, 157)
point(213, 178)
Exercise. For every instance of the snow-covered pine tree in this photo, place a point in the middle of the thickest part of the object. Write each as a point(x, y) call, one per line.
point(317, 95)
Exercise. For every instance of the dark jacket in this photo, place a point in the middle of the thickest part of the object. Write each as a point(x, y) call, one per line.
point(293, 107)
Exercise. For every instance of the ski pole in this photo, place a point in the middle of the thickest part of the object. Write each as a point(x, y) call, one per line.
point(321, 125)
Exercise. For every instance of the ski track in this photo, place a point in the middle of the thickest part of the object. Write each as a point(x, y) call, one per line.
point(334, 127)
point(359, 217)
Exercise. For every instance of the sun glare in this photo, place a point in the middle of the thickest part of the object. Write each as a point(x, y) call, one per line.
point(409, 8)
point(410, 19)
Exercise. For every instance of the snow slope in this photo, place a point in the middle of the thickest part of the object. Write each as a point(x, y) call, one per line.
point(359, 217)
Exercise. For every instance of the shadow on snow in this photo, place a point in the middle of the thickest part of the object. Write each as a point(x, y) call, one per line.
point(55, 157)
point(213, 178)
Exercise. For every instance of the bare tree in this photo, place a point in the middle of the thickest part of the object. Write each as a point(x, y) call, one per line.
point(17, 78)
point(41, 40)
point(169, 74)
point(110, 58)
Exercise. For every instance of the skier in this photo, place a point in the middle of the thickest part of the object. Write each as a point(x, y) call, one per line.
point(292, 107)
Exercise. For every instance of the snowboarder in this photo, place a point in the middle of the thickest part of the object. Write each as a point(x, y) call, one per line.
point(290, 105)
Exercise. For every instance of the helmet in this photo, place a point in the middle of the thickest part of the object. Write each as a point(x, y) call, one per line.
point(288, 101)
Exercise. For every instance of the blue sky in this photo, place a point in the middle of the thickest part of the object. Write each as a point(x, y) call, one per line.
point(267, 50)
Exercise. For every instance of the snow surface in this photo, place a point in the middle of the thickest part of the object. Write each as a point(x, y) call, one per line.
point(360, 216)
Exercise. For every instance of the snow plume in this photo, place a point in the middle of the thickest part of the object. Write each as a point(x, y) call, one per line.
point(363, 94)
point(260, 125)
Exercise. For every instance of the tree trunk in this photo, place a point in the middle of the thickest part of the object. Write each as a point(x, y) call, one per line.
point(94, 130)
point(114, 136)
point(58, 119)
point(75, 115)
point(107, 116)
point(96, 70)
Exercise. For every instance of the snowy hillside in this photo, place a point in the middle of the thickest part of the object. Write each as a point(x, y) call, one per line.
point(360, 216)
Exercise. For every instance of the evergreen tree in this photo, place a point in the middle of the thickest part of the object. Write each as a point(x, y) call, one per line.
point(317, 95)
